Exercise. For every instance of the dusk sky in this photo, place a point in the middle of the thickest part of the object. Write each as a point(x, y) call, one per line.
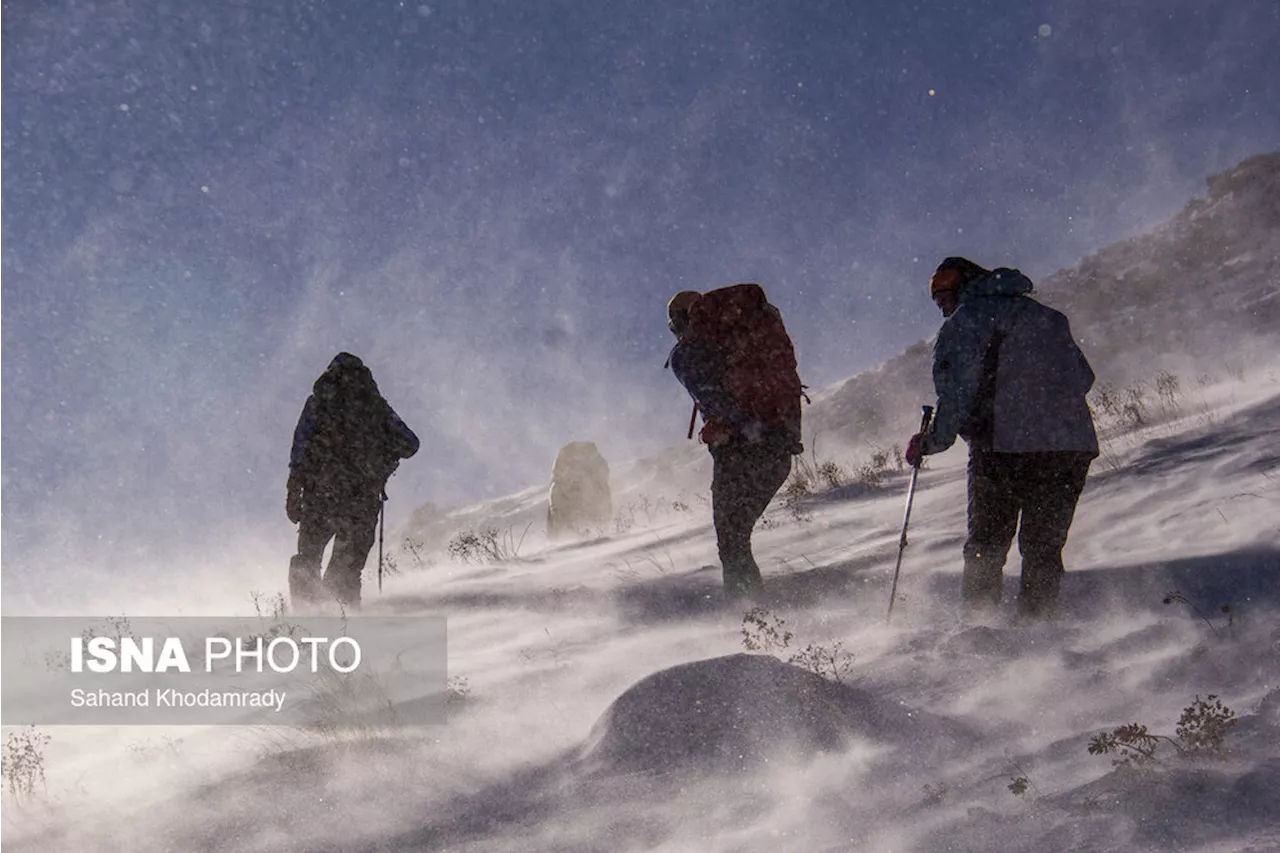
point(491, 204)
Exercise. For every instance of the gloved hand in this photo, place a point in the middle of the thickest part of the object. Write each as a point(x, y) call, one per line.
point(293, 500)
point(714, 432)
point(914, 454)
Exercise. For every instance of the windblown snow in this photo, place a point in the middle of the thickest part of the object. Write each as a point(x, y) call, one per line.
point(604, 696)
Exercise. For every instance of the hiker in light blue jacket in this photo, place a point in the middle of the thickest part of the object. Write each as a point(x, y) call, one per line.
point(1011, 381)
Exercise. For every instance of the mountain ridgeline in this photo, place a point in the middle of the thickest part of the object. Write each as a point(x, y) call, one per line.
point(1202, 289)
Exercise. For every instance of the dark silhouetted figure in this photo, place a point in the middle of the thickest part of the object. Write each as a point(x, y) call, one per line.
point(1011, 381)
point(347, 443)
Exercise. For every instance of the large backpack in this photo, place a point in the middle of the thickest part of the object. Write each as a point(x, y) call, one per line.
point(350, 442)
point(759, 358)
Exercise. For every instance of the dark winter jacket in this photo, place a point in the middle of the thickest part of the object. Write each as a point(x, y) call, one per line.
point(348, 439)
point(1008, 374)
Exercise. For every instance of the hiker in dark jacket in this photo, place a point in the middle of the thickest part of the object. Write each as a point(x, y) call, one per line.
point(1011, 381)
point(346, 445)
point(751, 460)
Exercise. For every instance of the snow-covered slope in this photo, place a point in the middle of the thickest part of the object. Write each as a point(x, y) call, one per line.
point(606, 697)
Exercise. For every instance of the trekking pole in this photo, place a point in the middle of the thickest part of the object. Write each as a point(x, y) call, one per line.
point(382, 521)
point(693, 419)
point(906, 518)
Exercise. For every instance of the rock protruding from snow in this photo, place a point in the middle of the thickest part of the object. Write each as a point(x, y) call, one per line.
point(742, 710)
point(580, 500)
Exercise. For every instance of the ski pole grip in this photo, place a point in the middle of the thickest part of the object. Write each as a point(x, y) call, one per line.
point(926, 418)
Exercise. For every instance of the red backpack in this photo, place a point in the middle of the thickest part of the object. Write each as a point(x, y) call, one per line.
point(760, 360)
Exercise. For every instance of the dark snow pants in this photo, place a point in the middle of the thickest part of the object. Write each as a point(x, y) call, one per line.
point(353, 529)
point(745, 478)
point(1042, 488)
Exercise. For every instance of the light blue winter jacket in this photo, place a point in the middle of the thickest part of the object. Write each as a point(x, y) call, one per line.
point(1008, 374)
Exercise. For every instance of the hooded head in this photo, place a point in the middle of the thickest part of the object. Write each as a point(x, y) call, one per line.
point(345, 361)
point(952, 274)
point(345, 374)
point(959, 279)
point(948, 279)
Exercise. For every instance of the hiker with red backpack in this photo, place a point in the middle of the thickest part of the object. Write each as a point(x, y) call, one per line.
point(346, 445)
point(734, 357)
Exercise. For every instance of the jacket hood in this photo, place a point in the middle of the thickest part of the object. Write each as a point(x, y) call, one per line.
point(346, 374)
point(1000, 282)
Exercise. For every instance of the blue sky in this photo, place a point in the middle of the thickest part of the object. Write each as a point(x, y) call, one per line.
point(491, 203)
